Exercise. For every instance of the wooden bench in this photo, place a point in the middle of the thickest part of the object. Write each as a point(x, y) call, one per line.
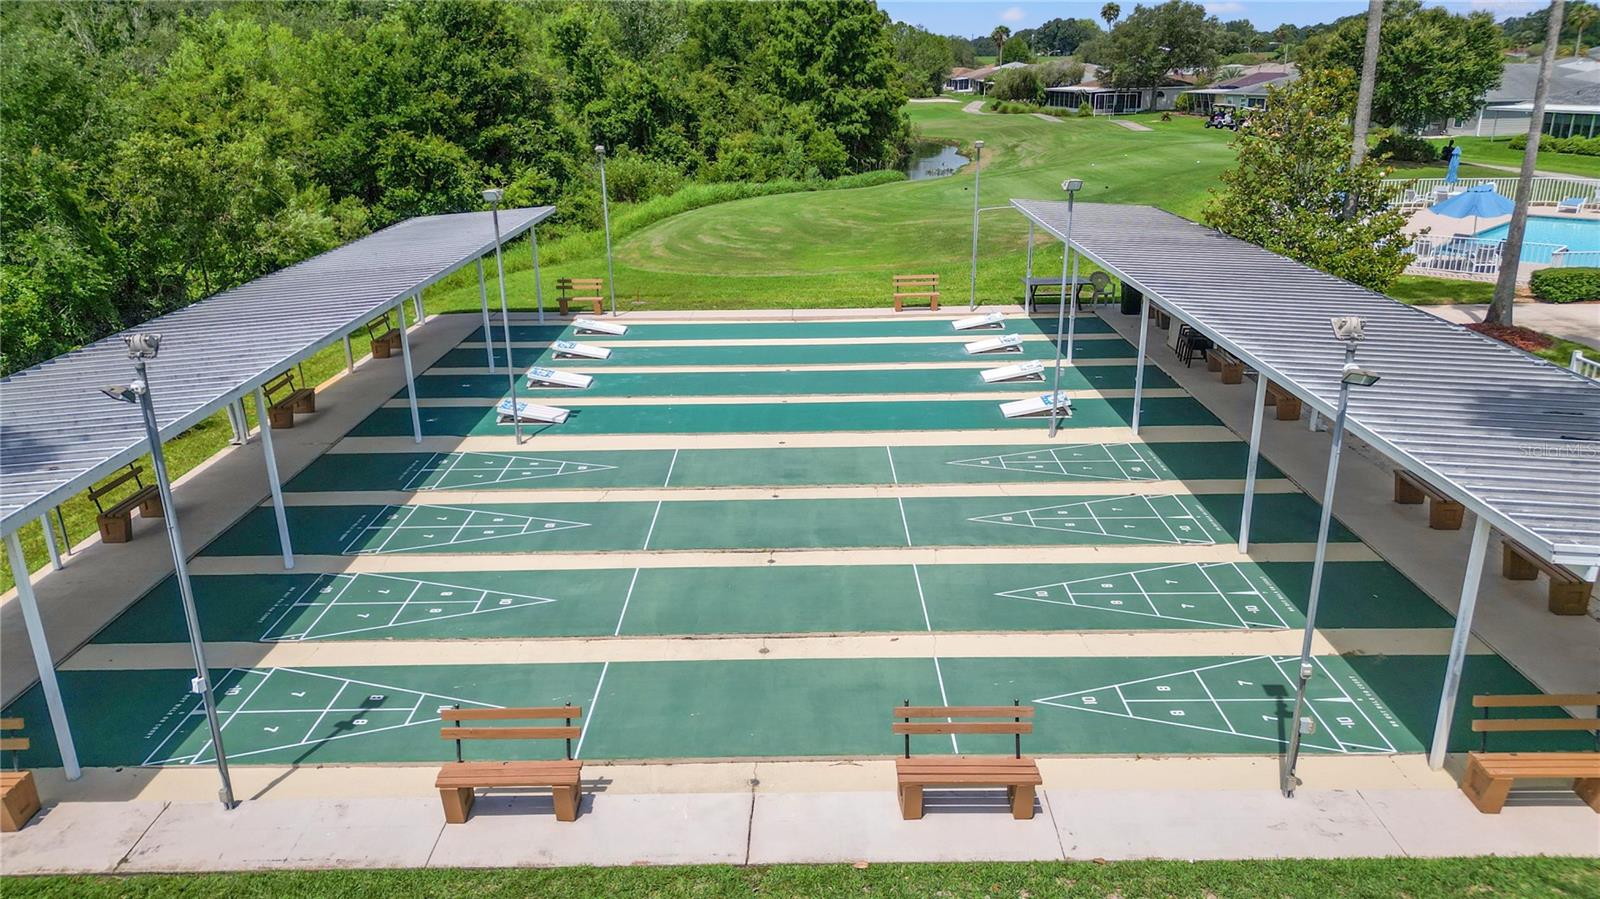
point(1231, 368)
point(385, 337)
point(1490, 774)
point(1444, 513)
point(581, 290)
point(458, 779)
point(19, 795)
point(1020, 776)
point(1569, 594)
point(116, 523)
point(1162, 317)
point(285, 399)
point(1288, 405)
point(917, 287)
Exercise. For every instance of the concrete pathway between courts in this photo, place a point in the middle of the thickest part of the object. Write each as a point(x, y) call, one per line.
point(773, 812)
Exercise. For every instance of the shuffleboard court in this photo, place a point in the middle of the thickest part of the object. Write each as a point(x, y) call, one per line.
point(291, 607)
point(788, 417)
point(773, 708)
point(779, 383)
point(778, 467)
point(1017, 520)
point(816, 330)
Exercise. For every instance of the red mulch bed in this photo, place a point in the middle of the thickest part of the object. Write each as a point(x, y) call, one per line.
point(1521, 338)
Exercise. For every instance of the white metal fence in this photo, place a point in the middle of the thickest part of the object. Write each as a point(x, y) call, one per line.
point(1424, 192)
point(1477, 257)
point(1583, 365)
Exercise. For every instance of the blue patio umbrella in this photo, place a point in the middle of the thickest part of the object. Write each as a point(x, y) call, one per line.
point(1453, 172)
point(1479, 200)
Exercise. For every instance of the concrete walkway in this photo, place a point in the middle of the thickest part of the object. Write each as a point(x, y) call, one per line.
point(1570, 321)
point(1131, 126)
point(975, 107)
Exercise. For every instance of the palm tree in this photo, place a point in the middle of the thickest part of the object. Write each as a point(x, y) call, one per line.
point(1369, 84)
point(1111, 12)
point(999, 35)
point(1581, 16)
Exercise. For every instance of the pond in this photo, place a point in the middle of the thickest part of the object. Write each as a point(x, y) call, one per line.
point(933, 160)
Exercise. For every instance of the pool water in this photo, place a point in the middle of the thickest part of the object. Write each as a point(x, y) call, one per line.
point(1575, 234)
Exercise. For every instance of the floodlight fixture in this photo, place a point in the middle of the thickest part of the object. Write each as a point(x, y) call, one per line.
point(1072, 185)
point(493, 195)
point(599, 149)
point(1356, 376)
point(978, 144)
point(124, 393)
point(142, 344)
point(1349, 328)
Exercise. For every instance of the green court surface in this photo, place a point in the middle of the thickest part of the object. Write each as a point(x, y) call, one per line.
point(819, 330)
point(777, 383)
point(778, 467)
point(771, 418)
point(772, 708)
point(1100, 347)
point(775, 524)
point(778, 600)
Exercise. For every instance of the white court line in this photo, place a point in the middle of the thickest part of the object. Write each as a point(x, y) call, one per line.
point(899, 499)
point(231, 715)
point(403, 603)
point(1229, 602)
point(670, 466)
point(625, 600)
point(937, 670)
point(1209, 695)
point(594, 700)
point(296, 604)
point(651, 532)
point(332, 704)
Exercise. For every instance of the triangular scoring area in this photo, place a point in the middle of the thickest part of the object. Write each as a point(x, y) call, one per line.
point(448, 471)
point(342, 604)
point(1160, 519)
point(1084, 462)
point(401, 528)
point(266, 710)
point(1218, 594)
point(1251, 699)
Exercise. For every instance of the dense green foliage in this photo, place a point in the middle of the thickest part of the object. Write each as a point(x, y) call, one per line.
point(925, 58)
point(1400, 147)
point(1432, 63)
point(154, 153)
point(1566, 285)
point(1154, 40)
point(1016, 50)
point(1579, 146)
point(1290, 189)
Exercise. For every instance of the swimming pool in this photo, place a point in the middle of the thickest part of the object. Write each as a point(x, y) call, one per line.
point(1577, 235)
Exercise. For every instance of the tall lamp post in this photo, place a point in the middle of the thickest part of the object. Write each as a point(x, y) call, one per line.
point(1071, 186)
point(977, 173)
point(141, 348)
point(1350, 330)
point(493, 195)
point(605, 218)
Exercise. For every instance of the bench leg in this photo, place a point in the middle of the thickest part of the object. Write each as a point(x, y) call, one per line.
point(1233, 374)
point(1485, 792)
point(151, 508)
point(1289, 409)
point(380, 349)
point(1445, 515)
point(562, 304)
point(599, 308)
point(1514, 567)
point(116, 528)
point(20, 805)
point(911, 802)
point(898, 306)
point(1021, 801)
point(1213, 362)
point(457, 804)
point(566, 802)
point(307, 403)
point(1570, 598)
point(1407, 493)
point(1588, 789)
point(933, 305)
point(279, 417)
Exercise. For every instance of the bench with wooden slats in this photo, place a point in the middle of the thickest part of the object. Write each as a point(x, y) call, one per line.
point(285, 399)
point(385, 337)
point(116, 523)
point(1287, 404)
point(1162, 317)
point(1229, 365)
point(916, 287)
point(581, 290)
point(1569, 594)
point(1444, 513)
point(19, 795)
point(457, 780)
point(1490, 774)
point(1019, 775)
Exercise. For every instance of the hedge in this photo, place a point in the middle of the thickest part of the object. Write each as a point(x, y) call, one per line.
point(1581, 146)
point(1566, 285)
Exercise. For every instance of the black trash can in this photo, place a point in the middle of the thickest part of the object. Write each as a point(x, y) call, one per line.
point(1132, 299)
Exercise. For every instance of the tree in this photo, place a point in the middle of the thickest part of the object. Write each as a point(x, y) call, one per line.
point(1060, 73)
point(1580, 17)
point(1018, 84)
point(1015, 50)
point(1289, 188)
point(1110, 13)
point(925, 59)
point(1062, 37)
point(1155, 40)
point(1369, 79)
point(1432, 65)
point(963, 50)
point(1000, 35)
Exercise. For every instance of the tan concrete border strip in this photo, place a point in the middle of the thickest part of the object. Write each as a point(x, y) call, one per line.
point(577, 399)
point(957, 338)
point(963, 555)
point(701, 648)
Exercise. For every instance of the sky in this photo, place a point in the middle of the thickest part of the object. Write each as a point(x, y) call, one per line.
point(974, 17)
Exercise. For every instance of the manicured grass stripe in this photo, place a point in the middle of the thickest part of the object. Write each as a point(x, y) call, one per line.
point(688, 331)
point(788, 354)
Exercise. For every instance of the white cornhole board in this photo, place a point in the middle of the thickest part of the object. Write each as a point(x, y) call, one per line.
point(1036, 405)
point(569, 349)
point(992, 320)
point(590, 326)
point(1032, 370)
point(1006, 343)
point(556, 378)
point(531, 412)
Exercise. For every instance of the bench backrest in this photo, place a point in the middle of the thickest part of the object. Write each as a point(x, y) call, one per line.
point(473, 724)
point(902, 282)
point(100, 491)
point(1487, 725)
point(283, 383)
point(12, 744)
point(576, 284)
point(379, 326)
point(938, 719)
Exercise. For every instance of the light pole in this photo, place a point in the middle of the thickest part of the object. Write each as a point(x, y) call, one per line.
point(1071, 186)
point(143, 347)
point(977, 173)
point(1349, 330)
point(605, 217)
point(493, 195)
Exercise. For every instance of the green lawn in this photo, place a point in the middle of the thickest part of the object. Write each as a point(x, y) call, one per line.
point(1497, 151)
point(1415, 878)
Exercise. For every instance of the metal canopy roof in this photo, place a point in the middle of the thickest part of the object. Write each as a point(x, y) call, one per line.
point(58, 434)
point(1513, 438)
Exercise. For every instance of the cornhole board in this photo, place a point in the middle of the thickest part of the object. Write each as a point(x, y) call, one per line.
point(590, 326)
point(1006, 343)
point(568, 349)
point(527, 411)
point(1032, 370)
point(992, 320)
point(1037, 405)
point(552, 377)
